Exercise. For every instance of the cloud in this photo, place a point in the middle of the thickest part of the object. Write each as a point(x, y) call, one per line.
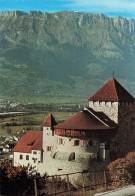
point(103, 6)
point(125, 8)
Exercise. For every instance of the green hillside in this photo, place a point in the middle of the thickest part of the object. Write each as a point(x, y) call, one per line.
point(64, 53)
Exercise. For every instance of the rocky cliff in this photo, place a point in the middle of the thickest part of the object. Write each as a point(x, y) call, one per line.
point(64, 52)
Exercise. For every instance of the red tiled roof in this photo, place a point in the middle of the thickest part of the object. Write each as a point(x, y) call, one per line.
point(50, 121)
point(82, 121)
point(112, 91)
point(103, 117)
point(29, 141)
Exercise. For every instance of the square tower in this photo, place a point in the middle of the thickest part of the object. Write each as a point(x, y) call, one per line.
point(49, 139)
point(119, 105)
point(110, 99)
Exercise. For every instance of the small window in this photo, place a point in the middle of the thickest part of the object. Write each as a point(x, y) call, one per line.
point(75, 142)
point(31, 143)
point(34, 152)
point(27, 157)
point(106, 104)
point(61, 141)
point(89, 143)
point(34, 160)
point(100, 103)
point(72, 157)
point(49, 148)
point(102, 145)
point(21, 156)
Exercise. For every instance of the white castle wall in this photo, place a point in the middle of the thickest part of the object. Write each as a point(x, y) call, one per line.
point(49, 139)
point(34, 159)
point(81, 148)
point(58, 162)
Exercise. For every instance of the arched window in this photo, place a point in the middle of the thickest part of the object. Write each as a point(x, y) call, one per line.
point(72, 157)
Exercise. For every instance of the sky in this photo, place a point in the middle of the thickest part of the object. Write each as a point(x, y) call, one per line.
point(112, 8)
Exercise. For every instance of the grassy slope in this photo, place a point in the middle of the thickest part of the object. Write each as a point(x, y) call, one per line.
point(64, 53)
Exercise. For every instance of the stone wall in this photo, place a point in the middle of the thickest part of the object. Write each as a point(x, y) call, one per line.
point(122, 113)
point(109, 108)
point(125, 138)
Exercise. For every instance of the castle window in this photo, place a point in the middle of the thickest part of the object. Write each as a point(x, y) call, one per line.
point(75, 142)
point(27, 157)
point(34, 160)
point(107, 104)
point(34, 152)
point(72, 157)
point(90, 143)
point(100, 103)
point(49, 148)
point(21, 156)
point(61, 141)
point(94, 103)
point(102, 145)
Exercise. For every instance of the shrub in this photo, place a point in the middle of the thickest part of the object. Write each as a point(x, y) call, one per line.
point(16, 180)
point(122, 170)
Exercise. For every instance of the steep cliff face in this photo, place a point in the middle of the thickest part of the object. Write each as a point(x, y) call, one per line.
point(67, 52)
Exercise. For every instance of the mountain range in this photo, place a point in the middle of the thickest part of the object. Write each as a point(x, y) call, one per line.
point(64, 53)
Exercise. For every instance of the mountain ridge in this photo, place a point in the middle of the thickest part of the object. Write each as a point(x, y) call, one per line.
point(64, 52)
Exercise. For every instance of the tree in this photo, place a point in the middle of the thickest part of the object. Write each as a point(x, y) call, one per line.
point(122, 170)
point(16, 180)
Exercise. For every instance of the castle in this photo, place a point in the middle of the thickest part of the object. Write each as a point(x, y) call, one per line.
point(91, 138)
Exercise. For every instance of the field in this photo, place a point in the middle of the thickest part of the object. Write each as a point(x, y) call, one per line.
point(14, 125)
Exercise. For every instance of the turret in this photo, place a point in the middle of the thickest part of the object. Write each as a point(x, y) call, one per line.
point(49, 140)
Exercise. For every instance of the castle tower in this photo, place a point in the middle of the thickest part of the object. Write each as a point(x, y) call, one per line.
point(116, 103)
point(110, 99)
point(49, 139)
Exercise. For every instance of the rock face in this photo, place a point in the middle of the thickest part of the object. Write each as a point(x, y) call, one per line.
point(65, 52)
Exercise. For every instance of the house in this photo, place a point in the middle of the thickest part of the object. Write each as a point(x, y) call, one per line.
point(28, 150)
